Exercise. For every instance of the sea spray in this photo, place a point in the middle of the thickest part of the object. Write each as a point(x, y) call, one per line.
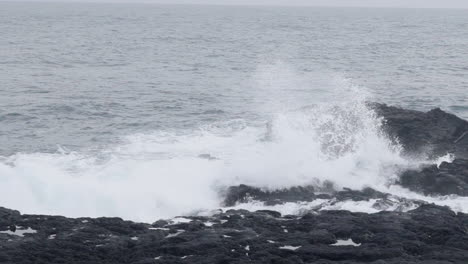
point(163, 174)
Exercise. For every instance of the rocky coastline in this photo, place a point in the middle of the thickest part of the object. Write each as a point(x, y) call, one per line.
point(425, 234)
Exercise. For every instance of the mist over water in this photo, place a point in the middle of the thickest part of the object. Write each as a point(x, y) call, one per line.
point(148, 112)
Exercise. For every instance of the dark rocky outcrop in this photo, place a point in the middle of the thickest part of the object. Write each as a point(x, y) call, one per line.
point(429, 234)
point(448, 178)
point(435, 132)
point(244, 193)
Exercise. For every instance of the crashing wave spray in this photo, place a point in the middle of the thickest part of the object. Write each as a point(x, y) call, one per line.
point(163, 174)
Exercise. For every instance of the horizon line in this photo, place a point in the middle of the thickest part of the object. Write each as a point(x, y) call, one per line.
point(222, 4)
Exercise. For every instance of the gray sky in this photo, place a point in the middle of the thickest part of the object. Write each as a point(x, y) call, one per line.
point(369, 3)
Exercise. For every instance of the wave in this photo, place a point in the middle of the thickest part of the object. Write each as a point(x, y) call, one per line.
point(164, 174)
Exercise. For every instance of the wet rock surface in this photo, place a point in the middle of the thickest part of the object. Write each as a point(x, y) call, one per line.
point(328, 199)
point(427, 234)
point(448, 178)
point(434, 132)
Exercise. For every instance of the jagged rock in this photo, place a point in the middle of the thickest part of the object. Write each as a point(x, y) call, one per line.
point(448, 178)
point(429, 234)
point(435, 132)
point(244, 193)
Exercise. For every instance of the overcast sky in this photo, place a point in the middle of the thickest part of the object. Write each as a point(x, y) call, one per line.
point(370, 3)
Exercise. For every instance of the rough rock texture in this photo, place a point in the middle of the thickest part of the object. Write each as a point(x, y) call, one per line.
point(429, 234)
point(435, 132)
point(448, 178)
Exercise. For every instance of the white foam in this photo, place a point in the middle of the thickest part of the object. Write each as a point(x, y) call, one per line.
point(284, 208)
point(446, 158)
point(456, 203)
point(160, 175)
point(293, 248)
point(179, 220)
point(348, 242)
point(180, 231)
point(299, 208)
point(20, 231)
point(159, 228)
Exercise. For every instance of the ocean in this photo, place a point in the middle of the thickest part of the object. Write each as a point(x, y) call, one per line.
point(147, 111)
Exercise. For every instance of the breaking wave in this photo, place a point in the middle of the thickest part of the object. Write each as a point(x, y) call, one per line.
point(164, 174)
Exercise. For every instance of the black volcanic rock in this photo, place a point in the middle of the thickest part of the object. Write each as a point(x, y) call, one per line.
point(244, 193)
point(429, 234)
point(448, 178)
point(435, 132)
